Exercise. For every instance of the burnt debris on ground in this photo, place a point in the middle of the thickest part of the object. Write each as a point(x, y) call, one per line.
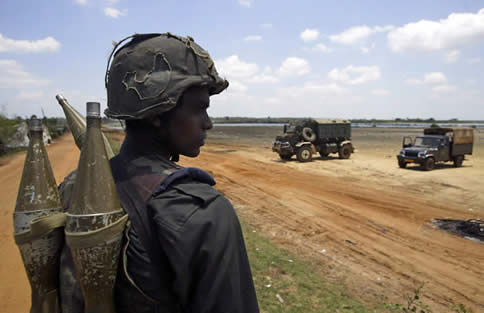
point(469, 229)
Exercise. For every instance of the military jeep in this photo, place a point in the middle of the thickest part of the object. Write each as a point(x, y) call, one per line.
point(310, 136)
point(449, 144)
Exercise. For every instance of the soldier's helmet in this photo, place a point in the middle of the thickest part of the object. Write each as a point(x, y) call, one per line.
point(148, 74)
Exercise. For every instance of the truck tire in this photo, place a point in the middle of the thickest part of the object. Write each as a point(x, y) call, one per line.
point(402, 164)
point(285, 157)
point(344, 151)
point(458, 160)
point(428, 164)
point(304, 154)
point(308, 134)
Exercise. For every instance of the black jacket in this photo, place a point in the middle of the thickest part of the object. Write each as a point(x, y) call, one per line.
point(184, 250)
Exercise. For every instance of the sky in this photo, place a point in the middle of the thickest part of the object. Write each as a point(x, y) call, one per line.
point(334, 59)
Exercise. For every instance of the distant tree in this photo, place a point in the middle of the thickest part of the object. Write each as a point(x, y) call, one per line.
point(227, 118)
point(3, 110)
point(3, 149)
point(434, 125)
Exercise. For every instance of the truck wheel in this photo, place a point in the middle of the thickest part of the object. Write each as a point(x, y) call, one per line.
point(308, 134)
point(285, 157)
point(344, 152)
point(402, 163)
point(458, 160)
point(304, 154)
point(428, 164)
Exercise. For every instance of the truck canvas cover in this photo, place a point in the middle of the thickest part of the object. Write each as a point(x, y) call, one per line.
point(332, 129)
point(460, 135)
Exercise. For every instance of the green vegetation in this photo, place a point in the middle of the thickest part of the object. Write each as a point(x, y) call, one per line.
point(414, 303)
point(285, 283)
point(278, 272)
point(8, 127)
point(56, 126)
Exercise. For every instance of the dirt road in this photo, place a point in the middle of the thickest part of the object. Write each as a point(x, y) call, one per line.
point(357, 219)
point(15, 289)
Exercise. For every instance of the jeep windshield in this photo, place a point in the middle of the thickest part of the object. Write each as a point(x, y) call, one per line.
point(427, 142)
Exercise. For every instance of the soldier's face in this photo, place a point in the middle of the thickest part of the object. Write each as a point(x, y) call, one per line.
point(189, 122)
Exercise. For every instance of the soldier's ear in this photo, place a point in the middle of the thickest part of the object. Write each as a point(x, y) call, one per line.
point(159, 124)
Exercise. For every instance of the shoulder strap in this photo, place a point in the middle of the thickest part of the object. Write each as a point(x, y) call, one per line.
point(137, 185)
point(134, 192)
point(192, 172)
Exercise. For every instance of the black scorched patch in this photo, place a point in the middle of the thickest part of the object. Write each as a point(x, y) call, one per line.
point(470, 229)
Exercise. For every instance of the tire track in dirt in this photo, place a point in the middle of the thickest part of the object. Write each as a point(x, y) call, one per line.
point(380, 241)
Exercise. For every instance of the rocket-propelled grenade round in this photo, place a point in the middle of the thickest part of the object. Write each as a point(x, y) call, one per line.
point(95, 220)
point(38, 220)
point(77, 124)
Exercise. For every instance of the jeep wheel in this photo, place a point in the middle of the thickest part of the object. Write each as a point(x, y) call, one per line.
point(344, 152)
point(428, 164)
point(402, 163)
point(304, 154)
point(285, 157)
point(458, 160)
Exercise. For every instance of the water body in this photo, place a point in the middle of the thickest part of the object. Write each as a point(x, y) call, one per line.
point(250, 124)
point(416, 125)
point(356, 125)
point(377, 125)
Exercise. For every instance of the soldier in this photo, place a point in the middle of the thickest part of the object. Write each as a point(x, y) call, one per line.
point(184, 250)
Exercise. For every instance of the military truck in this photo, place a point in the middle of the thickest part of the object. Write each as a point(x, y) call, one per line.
point(439, 144)
point(311, 136)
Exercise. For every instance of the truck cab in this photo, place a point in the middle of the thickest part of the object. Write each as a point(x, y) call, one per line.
point(437, 145)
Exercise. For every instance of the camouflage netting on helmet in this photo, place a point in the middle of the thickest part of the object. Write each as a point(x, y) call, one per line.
point(149, 74)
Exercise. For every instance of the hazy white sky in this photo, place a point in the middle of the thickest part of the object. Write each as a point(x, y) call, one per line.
point(349, 59)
